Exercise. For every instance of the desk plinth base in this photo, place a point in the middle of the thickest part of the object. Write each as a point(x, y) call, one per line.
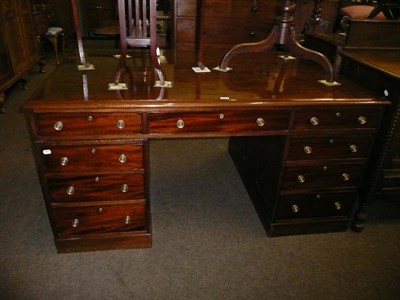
point(85, 244)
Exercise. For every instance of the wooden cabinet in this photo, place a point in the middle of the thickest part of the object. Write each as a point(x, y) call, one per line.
point(322, 169)
point(96, 178)
point(19, 49)
point(226, 22)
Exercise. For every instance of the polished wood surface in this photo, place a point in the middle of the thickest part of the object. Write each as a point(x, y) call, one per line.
point(262, 80)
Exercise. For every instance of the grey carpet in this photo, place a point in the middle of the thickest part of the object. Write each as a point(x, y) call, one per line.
point(208, 241)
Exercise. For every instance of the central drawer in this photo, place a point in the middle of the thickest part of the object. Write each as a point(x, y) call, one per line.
point(93, 158)
point(230, 121)
point(99, 219)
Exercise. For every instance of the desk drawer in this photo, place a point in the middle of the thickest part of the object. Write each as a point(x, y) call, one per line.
point(101, 187)
point(99, 219)
point(337, 119)
point(87, 124)
point(315, 205)
point(218, 121)
point(322, 176)
point(329, 147)
point(94, 158)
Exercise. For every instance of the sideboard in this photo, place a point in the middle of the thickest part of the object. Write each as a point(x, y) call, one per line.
point(301, 148)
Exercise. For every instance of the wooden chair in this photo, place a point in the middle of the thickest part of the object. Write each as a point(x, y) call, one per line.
point(137, 27)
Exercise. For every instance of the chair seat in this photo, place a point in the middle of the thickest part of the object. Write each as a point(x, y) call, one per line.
point(360, 12)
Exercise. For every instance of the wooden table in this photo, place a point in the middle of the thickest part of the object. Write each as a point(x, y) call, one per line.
point(301, 148)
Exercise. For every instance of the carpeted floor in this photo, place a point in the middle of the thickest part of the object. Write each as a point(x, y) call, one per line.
point(208, 242)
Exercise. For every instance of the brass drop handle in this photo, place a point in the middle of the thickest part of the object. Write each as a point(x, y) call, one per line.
point(64, 161)
point(70, 190)
point(260, 122)
point(122, 158)
point(301, 179)
point(58, 126)
point(345, 177)
point(353, 148)
point(307, 150)
point(120, 124)
point(180, 124)
point(75, 222)
point(295, 208)
point(337, 205)
point(362, 120)
point(127, 219)
point(314, 121)
point(124, 188)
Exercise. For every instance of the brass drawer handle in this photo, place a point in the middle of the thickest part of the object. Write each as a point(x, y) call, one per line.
point(64, 161)
point(180, 124)
point(70, 190)
point(307, 150)
point(124, 188)
point(127, 220)
point(295, 208)
point(75, 223)
point(314, 121)
point(120, 124)
point(260, 122)
point(337, 205)
point(353, 148)
point(345, 177)
point(301, 179)
point(122, 158)
point(362, 120)
point(58, 126)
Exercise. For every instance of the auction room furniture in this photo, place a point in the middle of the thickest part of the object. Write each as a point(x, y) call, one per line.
point(19, 47)
point(302, 148)
point(379, 70)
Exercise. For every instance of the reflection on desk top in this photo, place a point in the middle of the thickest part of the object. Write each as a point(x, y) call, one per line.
point(256, 80)
point(387, 61)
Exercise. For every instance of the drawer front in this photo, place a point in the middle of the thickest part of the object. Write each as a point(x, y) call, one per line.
point(94, 219)
point(329, 147)
point(92, 158)
point(103, 187)
point(322, 176)
point(244, 31)
point(337, 119)
point(87, 124)
point(218, 122)
point(315, 205)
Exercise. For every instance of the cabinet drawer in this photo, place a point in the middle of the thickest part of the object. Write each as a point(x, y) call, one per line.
point(329, 147)
point(88, 124)
point(322, 176)
point(218, 122)
point(99, 219)
point(337, 119)
point(96, 158)
point(102, 187)
point(230, 31)
point(315, 205)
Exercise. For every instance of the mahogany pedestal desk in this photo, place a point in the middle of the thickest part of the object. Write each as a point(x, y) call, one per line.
point(301, 148)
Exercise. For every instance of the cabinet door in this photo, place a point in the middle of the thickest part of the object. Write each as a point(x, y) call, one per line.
point(19, 33)
point(5, 65)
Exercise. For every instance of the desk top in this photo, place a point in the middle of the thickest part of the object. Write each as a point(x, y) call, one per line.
point(386, 61)
point(256, 80)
